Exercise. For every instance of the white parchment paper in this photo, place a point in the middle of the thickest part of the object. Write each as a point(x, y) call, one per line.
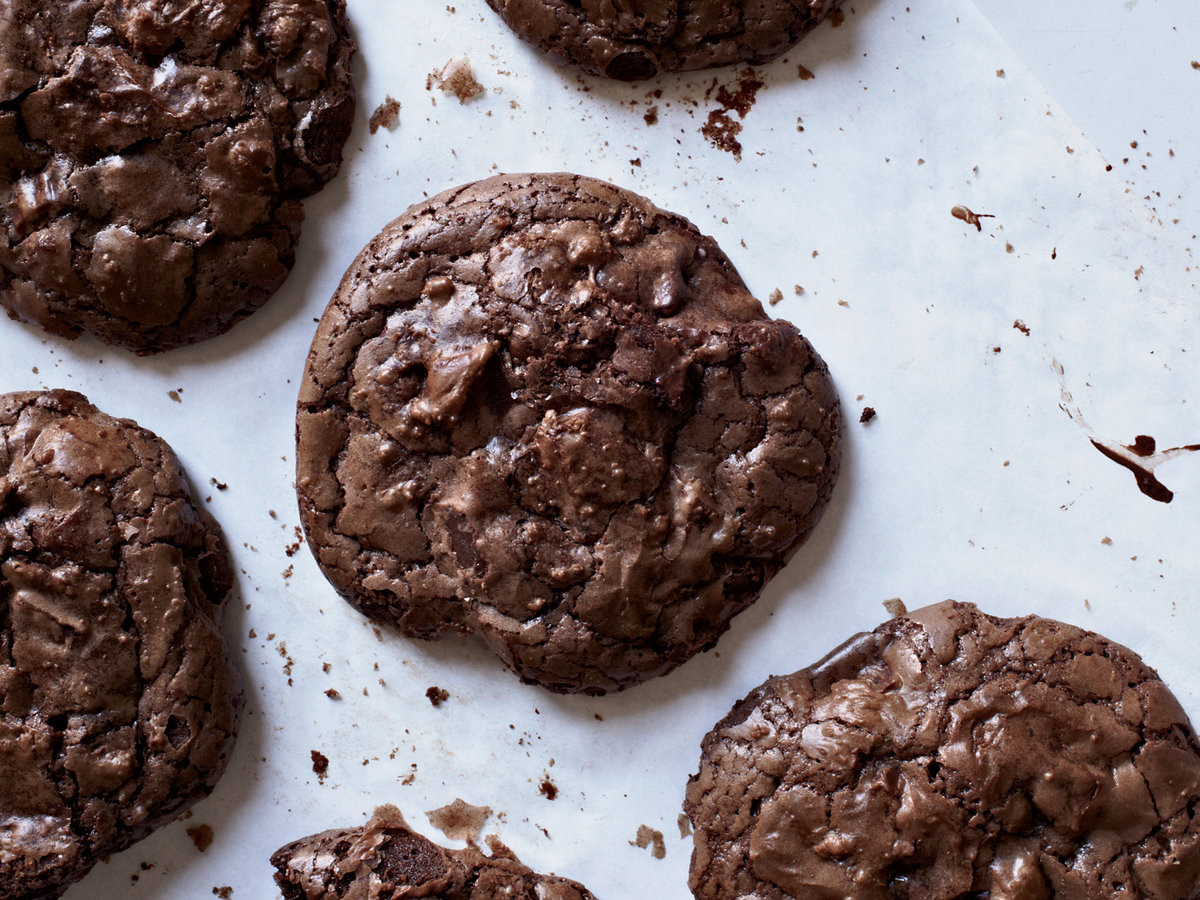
point(971, 483)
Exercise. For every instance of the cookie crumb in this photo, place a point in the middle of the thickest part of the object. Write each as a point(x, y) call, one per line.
point(456, 78)
point(548, 788)
point(971, 218)
point(174, 395)
point(651, 116)
point(1008, 248)
point(437, 696)
point(868, 414)
point(797, 290)
point(650, 837)
point(999, 73)
point(320, 764)
point(685, 825)
point(1021, 327)
point(202, 836)
point(636, 161)
point(333, 694)
point(895, 607)
point(775, 297)
point(224, 892)
point(219, 485)
point(1106, 541)
point(804, 73)
point(459, 821)
point(386, 115)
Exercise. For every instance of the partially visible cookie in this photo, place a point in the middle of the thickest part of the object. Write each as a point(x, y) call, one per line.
point(635, 41)
point(385, 859)
point(153, 154)
point(118, 701)
point(543, 410)
point(951, 754)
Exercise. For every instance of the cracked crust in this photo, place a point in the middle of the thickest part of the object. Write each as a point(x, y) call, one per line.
point(540, 409)
point(951, 754)
point(385, 859)
point(635, 42)
point(153, 154)
point(118, 702)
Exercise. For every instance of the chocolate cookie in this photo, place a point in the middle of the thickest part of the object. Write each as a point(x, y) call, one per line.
point(632, 42)
point(950, 754)
point(543, 410)
point(153, 154)
point(385, 859)
point(118, 703)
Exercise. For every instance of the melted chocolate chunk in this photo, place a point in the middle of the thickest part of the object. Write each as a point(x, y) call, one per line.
point(950, 754)
point(545, 411)
point(118, 702)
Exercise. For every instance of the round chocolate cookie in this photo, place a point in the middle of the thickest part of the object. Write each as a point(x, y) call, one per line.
point(385, 859)
point(153, 154)
point(635, 41)
point(951, 754)
point(118, 702)
point(543, 410)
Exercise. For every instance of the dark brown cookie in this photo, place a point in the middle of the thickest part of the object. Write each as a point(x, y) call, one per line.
point(635, 41)
point(153, 154)
point(118, 703)
point(385, 859)
point(543, 410)
point(950, 754)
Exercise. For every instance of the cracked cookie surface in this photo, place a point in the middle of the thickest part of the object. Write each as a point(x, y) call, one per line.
point(153, 154)
point(951, 754)
point(385, 859)
point(540, 409)
point(118, 702)
point(636, 41)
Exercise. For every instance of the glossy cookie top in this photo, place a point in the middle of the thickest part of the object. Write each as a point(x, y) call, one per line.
point(632, 41)
point(153, 154)
point(543, 410)
point(119, 700)
point(952, 754)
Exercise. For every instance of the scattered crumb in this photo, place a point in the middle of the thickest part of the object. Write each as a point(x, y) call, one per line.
point(636, 161)
point(333, 694)
point(320, 763)
point(1021, 327)
point(548, 788)
point(836, 18)
point(174, 395)
point(797, 290)
point(1106, 541)
point(844, 303)
point(386, 115)
point(1195, 64)
point(895, 606)
point(1086, 604)
point(1008, 248)
point(460, 821)
point(804, 73)
point(456, 78)
point(868, 414)
point(219, 485)
point(971, 218)
point(1054, 253)
point(651, 116)
point(720, 129)
point(1138, 272)
point(326, 667)
point(685, 826)
point(999, 73)
point(437, 696)
point(647, 836)
point(202, 836)
point(224, 892)
point(775, 296)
